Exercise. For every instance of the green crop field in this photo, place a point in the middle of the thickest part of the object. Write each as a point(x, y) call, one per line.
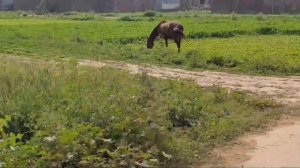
point(258, 44)
point(63, 115)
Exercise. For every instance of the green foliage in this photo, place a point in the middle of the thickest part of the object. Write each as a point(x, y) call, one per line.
point(223, 61)
point(83, 117)
point(150, 14)
point(267, 30)
point(129, 18)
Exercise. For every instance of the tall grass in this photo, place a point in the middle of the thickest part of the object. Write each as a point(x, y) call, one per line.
point(54, 115)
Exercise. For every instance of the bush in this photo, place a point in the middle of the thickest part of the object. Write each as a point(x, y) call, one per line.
point(194, 59)
point(150, 14)
point(260, 16)
point(127, 18)
point(223, 61)
point(267, 30)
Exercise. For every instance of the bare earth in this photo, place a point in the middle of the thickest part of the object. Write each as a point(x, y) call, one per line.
point(284, 90)
point(277, 147)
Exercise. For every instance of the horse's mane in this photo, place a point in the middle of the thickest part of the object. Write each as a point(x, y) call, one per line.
point(154, 32)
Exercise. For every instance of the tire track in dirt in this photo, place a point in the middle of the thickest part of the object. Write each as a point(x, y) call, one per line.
point(284, 90)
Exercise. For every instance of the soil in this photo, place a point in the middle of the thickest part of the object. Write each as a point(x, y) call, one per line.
point(284, 90)
point(276, 147)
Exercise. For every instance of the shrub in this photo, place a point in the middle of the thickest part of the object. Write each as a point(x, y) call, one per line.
point(195, 59)
point(234, 16)
point(260, 17)
point(150, 14)
point(267, 30)
point(223, 61)
point(127, 18)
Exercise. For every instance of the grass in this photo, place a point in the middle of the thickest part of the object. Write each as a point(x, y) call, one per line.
point(61, 115)
point(261, 44)
point(268, 54)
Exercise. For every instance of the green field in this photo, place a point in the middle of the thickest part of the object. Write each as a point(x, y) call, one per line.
point(259, 44)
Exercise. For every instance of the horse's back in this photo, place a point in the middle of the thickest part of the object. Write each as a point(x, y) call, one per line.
point(167, 27)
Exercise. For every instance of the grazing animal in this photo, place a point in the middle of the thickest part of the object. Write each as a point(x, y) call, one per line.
point(166, 30)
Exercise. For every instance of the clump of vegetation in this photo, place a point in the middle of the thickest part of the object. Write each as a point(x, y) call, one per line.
point(223, 61)
point(129, 18)
point(83, 117)
point(234, 16)
point(260, 16)
point(150, 14)
point(267, 30)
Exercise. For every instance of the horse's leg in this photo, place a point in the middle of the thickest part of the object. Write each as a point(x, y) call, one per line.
point(166, 39)
point(178, 41)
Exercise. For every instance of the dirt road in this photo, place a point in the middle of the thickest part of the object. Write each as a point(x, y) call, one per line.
point(284, 90)
point(277, 147)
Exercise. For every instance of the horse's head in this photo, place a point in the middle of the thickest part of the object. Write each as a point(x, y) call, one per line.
point(152, 37)
point(150, 43)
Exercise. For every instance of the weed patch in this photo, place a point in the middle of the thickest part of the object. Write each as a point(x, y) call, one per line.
point(84, 117)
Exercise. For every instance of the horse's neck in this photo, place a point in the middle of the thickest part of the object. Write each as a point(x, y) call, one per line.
point(154, 33)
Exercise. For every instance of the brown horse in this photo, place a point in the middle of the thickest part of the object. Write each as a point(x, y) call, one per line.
point(166, 30)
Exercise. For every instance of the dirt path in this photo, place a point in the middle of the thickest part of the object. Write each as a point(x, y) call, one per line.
point(278, 147)
point(284, 90)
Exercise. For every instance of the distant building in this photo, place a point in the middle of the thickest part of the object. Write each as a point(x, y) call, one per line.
point(26, 5)
point(195, 4)
point(255, 6)
point(6, 4)
point(170, 4)
point(134, 5)
point(64, 5)
point(87, 5)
